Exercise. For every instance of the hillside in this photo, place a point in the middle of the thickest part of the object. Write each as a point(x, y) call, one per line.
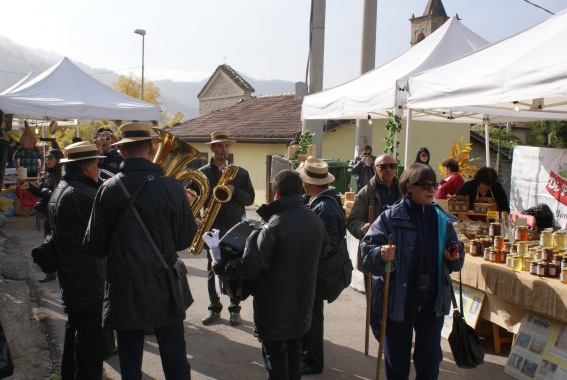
point(17, 61)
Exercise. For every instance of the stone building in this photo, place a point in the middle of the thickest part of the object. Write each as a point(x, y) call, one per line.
point(223, 89)
point(433, 17)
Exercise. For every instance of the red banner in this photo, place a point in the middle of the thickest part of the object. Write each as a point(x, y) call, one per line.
point(557, 187)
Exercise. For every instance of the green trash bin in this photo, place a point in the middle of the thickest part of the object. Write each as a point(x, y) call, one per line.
point(341, 171)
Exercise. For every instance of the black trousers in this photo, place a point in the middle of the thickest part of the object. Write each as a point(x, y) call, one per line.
point(282, 359)
point(172, 352)
point(83, 347)
point(312, 342)
point(215, 303)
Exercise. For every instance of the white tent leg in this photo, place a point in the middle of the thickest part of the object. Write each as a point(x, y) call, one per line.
point(487, 140)
point(408, 124)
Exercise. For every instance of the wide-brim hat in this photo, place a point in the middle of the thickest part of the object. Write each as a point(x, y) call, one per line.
point(80, 151)
point(220, 137)
point(132, 132)
point(315, 172)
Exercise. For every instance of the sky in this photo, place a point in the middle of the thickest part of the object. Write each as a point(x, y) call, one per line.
point(264, 39)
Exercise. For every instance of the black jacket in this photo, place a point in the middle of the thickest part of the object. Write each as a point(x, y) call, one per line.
point(234, 210)
point(137, 295)
point(79, 273)
point(283, 258)
point(45, 188)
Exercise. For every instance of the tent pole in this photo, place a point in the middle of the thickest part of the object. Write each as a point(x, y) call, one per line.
point(406, 149)
point(487, 140)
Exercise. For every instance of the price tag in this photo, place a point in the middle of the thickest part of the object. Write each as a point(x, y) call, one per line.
point(492, 215)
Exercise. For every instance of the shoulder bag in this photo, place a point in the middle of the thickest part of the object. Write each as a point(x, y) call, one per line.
point(334, 272)
point(463, 340)
point(177, 273)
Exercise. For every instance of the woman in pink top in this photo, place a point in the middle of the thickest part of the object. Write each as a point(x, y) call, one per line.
point(453, 180)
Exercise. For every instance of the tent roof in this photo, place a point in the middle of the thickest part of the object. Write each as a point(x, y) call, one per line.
point(64, 91)
point(380, 89)
point(529, 68)
point(20, 83)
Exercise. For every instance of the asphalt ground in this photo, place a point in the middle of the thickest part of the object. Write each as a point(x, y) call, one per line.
point(33, 321)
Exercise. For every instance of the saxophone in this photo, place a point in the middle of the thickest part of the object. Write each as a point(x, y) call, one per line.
point(221, 194)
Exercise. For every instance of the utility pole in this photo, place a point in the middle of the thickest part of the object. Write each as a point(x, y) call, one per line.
point(316, 60)
point(367, 63)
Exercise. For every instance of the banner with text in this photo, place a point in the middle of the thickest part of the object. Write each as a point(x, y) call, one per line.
point(539, 175)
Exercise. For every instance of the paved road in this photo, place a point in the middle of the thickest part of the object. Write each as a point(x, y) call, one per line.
point(33, 319)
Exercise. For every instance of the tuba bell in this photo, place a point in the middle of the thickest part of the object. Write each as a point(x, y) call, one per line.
point(173, 155)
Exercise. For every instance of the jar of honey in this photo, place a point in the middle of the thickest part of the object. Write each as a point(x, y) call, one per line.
point(526, 262)
point(542, 268)
point(547, 254)
point(521, 234)
point(522, 247)
point(503, 257)
point(564, 263)
point(499, 242)
point(560, 240)
point(553, 271)
point(472, 247)
point(546, 239)
point(494, 229)
point(487, 254)
point(563, 276)
point(557, 259)
point(533, 267)
point(517, 263)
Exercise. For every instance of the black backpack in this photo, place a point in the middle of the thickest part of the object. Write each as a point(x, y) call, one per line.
point(543, 215)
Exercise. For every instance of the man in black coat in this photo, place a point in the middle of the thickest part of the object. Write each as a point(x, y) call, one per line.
point(80, 273)
point(282, 257)
point(326, 203)
point(230, 213)
point(137, 294)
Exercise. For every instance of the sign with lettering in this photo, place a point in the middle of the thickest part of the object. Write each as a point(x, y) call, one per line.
point(540, 350)
point(539, 175)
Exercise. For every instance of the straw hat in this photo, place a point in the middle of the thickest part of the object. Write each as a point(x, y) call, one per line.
point(315, 172)
point(220, 136)
point(132, 132)
point(80, 151)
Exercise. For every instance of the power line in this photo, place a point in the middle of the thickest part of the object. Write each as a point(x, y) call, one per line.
point(542, 8)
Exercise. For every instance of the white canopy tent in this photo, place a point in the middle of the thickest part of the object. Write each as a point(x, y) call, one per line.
point(66, 92)
point(384, 88)
point(20, 83)
point(523, 77)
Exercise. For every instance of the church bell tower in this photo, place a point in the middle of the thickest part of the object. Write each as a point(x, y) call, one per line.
point(433, 17)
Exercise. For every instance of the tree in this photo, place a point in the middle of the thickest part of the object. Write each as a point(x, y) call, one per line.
point(541, 129)
point(132, 86)
point(176, 118)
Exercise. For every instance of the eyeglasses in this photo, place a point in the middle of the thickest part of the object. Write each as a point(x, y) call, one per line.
point(386, 166)
point(424, 155)
point(49, 157)
point(366, 154)
point(426, 185)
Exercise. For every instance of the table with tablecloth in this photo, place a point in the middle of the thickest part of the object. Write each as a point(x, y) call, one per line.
point(509, 294)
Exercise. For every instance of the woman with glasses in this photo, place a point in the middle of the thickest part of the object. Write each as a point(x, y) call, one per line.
point(422, 156)
point(485, 185)
point(44, 190)
point(424, 250)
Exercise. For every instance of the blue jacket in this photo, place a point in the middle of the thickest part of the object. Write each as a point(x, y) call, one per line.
point(395, 221)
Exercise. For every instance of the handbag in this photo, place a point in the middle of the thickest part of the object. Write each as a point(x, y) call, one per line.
point(6, 363)
point(177, 273)
point(464, 342)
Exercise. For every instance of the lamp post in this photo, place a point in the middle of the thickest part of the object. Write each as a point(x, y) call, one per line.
point(142, 33)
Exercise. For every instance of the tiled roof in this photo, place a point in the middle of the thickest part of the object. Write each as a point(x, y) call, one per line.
point(274, 118)
point(234, 76)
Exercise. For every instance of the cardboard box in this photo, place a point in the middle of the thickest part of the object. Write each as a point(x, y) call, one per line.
point(458, 203)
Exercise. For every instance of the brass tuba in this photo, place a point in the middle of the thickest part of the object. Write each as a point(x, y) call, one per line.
point(221, 194)
point(173, 155)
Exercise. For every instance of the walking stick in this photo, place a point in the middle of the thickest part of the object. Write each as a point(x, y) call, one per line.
point(384, 313)
point(368, 292)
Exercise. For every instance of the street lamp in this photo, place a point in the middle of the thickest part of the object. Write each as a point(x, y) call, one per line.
point(142, 33)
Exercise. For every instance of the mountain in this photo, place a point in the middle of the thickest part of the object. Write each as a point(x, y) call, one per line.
point(16, 61)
